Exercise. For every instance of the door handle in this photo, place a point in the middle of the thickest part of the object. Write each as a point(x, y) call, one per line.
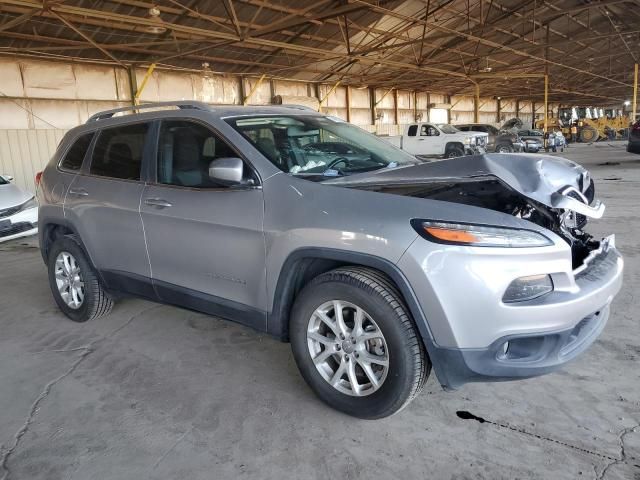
point(157, 202)
point(78, 192)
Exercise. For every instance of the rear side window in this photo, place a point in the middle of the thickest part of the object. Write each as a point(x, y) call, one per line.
point(413, 129)
point(462, 128)
point(118, 152)
point(75, 155)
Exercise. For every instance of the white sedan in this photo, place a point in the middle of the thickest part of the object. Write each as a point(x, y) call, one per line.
point(18, 211)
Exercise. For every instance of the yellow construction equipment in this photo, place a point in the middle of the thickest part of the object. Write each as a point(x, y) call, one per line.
point(606, 127)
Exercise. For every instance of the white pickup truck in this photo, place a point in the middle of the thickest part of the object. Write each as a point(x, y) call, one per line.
point(438, 140)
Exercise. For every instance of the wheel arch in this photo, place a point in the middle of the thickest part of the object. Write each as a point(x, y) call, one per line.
point(449, 145)
point(51, 230)
point(302, 265)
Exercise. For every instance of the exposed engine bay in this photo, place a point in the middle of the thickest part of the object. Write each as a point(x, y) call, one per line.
point(493, 194)
point(552, 192)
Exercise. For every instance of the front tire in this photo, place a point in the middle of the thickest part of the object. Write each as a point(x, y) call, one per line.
point(74, 283)
point(504, 148)
point(356, 344)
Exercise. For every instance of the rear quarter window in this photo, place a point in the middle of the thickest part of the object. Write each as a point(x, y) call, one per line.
point(118, 152)
point(72, 161)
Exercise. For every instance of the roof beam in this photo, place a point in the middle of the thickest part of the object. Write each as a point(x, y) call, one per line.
point(294, 20)
point(19, 20)
point(87, 38)
point(484, 41)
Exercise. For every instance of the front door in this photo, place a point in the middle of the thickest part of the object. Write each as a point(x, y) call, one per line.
point(205, 240)
point(432, 140)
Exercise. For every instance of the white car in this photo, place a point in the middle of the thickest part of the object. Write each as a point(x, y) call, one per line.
point(439, 140)
point(18, 211)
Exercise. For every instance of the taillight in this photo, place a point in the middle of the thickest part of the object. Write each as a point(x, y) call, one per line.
point(38, 177)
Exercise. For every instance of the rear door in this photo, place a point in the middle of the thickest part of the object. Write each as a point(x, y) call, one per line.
point(410, 140)
point(103, 203)
point(205, 240)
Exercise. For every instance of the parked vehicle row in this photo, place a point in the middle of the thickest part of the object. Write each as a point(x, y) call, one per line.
point(438, 140)
point(376, 266)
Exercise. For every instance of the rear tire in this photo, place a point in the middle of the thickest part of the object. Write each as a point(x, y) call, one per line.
point(378, 367)
point(504, 148)
point(453, 152)
point(74, 283)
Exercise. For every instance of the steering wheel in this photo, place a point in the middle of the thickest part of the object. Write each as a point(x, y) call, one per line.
point(336, 161)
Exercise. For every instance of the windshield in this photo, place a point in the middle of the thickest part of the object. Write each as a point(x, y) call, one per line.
point(315, 145)
point(3, 181)
point(448, 128)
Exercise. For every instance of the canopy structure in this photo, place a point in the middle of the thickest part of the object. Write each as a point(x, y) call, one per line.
point(588, 48)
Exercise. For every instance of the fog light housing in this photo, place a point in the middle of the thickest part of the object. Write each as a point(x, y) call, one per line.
point(528, 288)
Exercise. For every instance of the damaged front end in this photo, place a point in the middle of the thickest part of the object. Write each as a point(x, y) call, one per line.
point(552, 192)
point(492, 193)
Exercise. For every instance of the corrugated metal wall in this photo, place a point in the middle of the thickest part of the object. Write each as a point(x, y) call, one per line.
point(23, 153)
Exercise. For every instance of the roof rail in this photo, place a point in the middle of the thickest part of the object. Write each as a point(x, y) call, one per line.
point(182, 104)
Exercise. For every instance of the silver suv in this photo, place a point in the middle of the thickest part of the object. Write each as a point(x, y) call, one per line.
point(374, 265)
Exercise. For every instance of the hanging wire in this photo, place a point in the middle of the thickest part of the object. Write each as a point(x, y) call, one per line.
point(4, 95)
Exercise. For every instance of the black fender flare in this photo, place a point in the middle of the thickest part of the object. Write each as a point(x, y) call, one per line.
point(43, 227)
point(278, 317)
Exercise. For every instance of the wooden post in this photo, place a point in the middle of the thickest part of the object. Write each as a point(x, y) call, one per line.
point(395, 107)
point(476, 105)
point(634, 105)
point(143, 84)
point(372, 104)
point(246, 99)
point(348, 98)
point(546, 100)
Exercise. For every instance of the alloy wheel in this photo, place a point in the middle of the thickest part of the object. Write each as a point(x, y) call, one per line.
point(348, 348)
point(69, 280)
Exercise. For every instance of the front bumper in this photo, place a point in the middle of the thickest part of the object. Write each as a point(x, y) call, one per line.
point(474, 150)
point(21, 224)
point(482, 339)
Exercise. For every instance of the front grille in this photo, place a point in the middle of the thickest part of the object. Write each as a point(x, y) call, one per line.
point(580, 220)
point(7, 212)
point(16, 228)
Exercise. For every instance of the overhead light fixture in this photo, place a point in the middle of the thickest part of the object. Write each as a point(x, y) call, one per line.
point(627, 103)
point(486, 69)
point(157, 27)
point(206, 71)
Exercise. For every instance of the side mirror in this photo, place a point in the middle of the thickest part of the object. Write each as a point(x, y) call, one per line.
point(228, 170)
point(8, 178)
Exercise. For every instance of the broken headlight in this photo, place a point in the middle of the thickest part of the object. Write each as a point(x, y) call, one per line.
point(479, 235)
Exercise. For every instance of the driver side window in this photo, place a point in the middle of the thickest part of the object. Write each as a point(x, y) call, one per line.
point(428, 131)
point(185, 151)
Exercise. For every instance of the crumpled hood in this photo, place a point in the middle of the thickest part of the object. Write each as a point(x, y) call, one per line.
point(552, 181)
point(511, 124)
point(11, 196)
